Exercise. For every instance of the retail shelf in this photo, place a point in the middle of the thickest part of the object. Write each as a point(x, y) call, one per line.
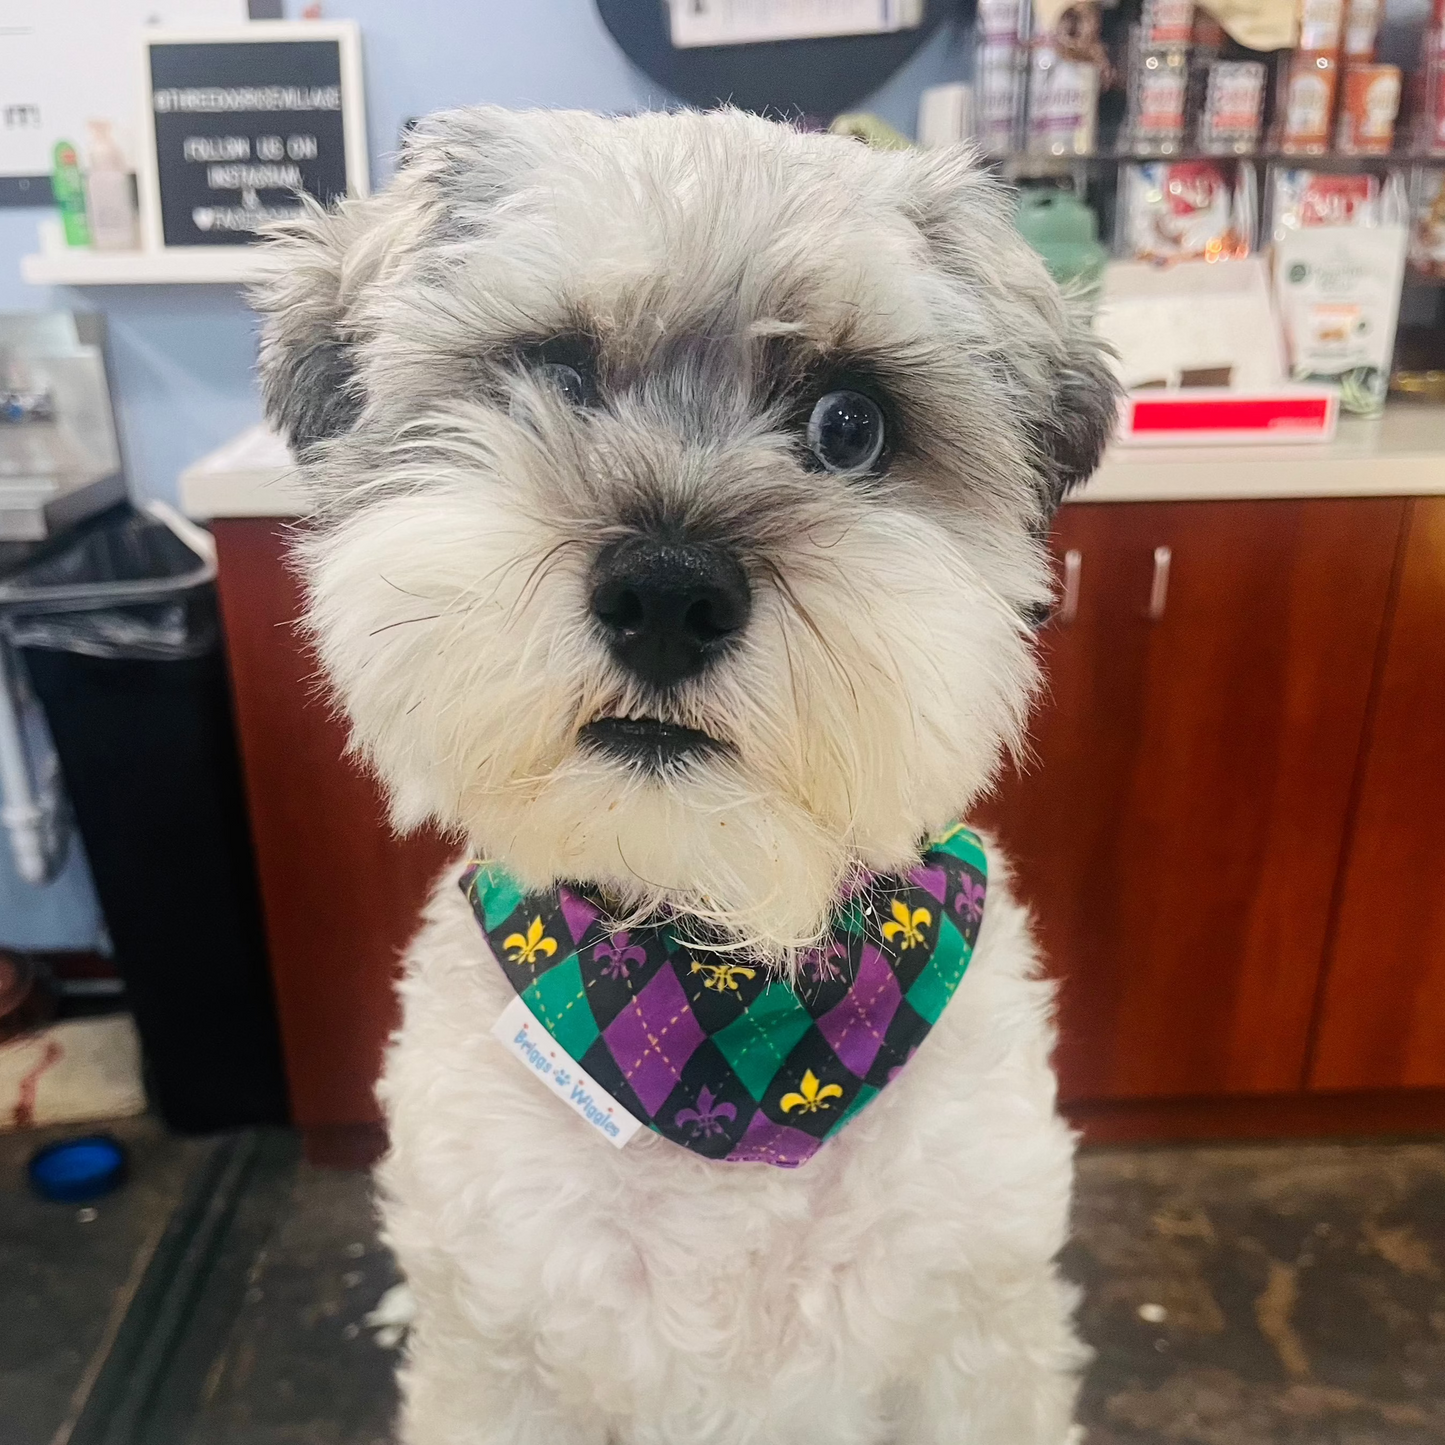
point(1399, 454)
point(207, 265)
point(1028, 165)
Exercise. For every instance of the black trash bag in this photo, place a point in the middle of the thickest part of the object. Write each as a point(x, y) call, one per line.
point(119, 632)
point(126, 585)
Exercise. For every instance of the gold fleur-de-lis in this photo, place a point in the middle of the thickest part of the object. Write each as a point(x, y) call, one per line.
point(812, 1096)
point(722, 976)
point(907, 926)
point(530, 948)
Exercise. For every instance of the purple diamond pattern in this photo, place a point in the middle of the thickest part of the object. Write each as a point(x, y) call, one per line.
point(931, 880)
point(770, 1143)
point(653, 1038)
point(855, 1027)
point(578, 912)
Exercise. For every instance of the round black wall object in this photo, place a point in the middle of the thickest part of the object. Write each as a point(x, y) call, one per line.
point(781, 78)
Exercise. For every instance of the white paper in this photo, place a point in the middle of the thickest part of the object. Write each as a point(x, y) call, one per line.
point(65, 62)
point(747, 22)
point(1191, 316)
point(71, 1072)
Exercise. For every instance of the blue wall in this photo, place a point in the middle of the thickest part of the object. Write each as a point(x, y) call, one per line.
point(182, 357)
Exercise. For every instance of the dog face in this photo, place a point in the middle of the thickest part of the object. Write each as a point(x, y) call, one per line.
point(680, 482)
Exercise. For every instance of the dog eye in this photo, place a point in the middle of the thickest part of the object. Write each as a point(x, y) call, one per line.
point(567, 380)
point(845, 431)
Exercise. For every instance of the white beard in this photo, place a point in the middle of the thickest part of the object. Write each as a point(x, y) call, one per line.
point(859, 731)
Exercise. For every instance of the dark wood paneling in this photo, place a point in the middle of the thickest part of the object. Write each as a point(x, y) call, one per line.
point(1180, 828)
point(1382, 1016)
point(344, 1146)
point(1262, 1116)
point(341, 894)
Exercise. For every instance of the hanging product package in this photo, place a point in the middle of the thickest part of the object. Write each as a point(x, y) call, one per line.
point(1233, 109)
point(1339, 263)
point(1427, 227)
point(1068, 67)
point(1186, 211)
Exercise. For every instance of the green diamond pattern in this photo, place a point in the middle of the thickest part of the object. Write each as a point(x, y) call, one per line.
point(933, 988)
point(560, 1003)
point(964, 845)
point(850, 918)
point(757, 1043)
point(497, 891)
point(862, 1097)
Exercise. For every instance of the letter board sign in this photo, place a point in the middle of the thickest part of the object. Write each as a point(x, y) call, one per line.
point(241, 121)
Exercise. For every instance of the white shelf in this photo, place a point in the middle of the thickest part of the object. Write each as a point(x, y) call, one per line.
point(201, 265)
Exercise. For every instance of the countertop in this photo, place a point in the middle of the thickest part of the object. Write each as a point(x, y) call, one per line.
point(1399, 454)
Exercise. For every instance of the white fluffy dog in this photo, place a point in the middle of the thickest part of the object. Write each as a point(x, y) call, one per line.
point(680, 484)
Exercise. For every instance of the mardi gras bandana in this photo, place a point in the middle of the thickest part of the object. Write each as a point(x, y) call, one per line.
point(717, 1053)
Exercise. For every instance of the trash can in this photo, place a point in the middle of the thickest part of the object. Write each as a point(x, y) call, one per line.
point(118, 631)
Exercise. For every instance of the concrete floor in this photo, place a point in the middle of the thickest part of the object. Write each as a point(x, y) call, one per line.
point(1288, 1295)
point(297, 1364)
point(67, 1277)
point(1238, 1296)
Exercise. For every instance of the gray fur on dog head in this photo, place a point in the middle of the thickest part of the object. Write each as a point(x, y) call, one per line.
point(711, 275)
point(462, 170)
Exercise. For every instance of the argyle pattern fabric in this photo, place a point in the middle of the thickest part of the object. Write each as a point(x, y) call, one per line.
point(714, 1052)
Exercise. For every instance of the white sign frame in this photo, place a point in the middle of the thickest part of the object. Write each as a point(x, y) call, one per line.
point(697, 24)
point(346, 33)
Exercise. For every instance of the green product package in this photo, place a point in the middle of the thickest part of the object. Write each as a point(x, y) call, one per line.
point(1065, 232)
point(68, 187)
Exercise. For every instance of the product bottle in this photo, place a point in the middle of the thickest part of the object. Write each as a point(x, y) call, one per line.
point(69, 191)
point(109, 201)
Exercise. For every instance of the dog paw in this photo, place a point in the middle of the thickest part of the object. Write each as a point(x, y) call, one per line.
point(392, 1316)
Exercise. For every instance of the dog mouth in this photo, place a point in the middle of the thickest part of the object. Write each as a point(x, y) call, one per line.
point(648, 742)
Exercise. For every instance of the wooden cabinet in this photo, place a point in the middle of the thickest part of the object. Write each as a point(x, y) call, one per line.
point(1231, 824)
point(1382, 1017)
point(341, 895)
point(1180, 826)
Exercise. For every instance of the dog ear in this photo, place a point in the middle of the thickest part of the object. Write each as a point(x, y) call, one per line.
point(1055, 364)
point(453, 167)
point(1083, 407)
point(308, 373)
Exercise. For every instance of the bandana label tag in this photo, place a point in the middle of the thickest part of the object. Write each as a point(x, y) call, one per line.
point(541, 1055)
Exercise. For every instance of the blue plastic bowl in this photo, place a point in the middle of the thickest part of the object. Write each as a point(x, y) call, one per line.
point(72, 1171)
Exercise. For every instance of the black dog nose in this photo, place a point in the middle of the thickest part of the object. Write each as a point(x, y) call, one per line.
point(668, 608)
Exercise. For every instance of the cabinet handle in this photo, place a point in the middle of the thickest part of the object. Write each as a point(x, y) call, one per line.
point(1159, 587)
point(1073, 572)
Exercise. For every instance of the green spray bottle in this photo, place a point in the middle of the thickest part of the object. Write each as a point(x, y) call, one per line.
point(68, 187)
